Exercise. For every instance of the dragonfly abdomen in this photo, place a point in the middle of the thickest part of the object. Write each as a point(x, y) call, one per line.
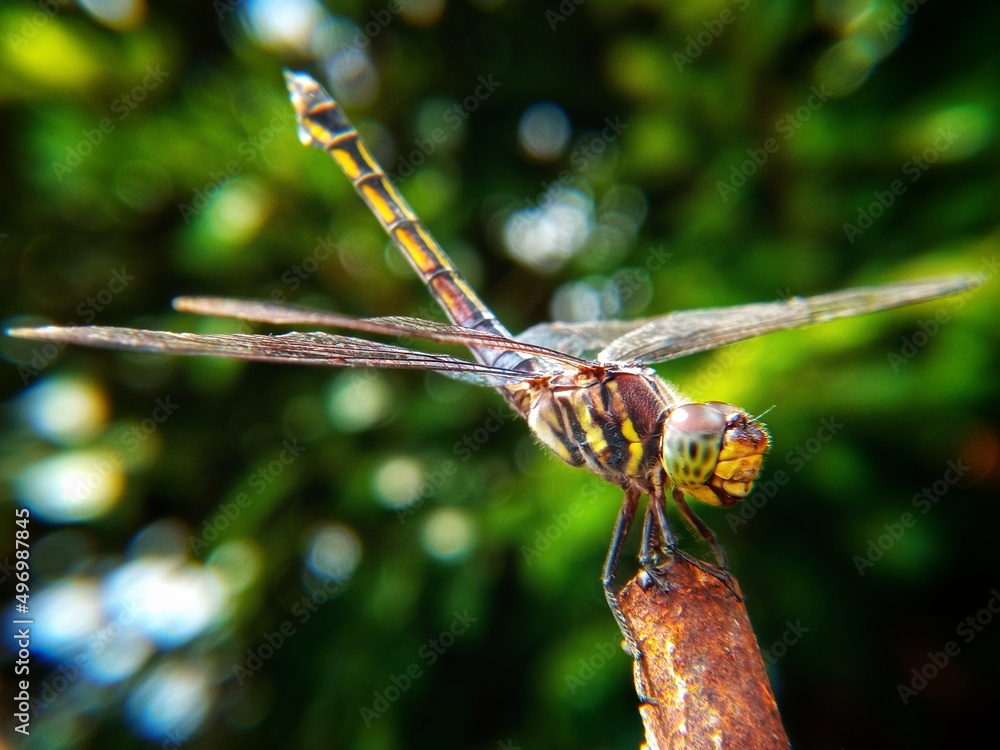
point(323, 124)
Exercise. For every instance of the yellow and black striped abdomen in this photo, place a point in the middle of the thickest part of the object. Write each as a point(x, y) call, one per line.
point(322, 124)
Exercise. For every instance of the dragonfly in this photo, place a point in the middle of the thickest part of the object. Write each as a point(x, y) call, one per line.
point(586, 390)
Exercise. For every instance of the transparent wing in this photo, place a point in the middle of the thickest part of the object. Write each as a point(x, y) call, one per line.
point(297, 348)
point(689, 331)
point(707, 328)
point(580, 339)
point(270, 312)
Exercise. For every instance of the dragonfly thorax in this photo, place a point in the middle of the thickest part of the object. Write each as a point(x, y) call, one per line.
point(631, 427)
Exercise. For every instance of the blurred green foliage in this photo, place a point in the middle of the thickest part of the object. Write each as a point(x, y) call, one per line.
point(701, 97)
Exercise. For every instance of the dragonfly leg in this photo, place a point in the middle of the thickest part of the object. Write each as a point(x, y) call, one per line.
point(657, 538)
point(648, 551)
point(722, 572)
point(657, 534)
point(701, 527)
point(625, 518)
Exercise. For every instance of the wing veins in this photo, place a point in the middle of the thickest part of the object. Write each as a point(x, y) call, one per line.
point(268, 312)
point(688, 331)
point(301, 348)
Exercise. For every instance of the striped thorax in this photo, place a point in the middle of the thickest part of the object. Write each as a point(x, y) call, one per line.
point(632, 428)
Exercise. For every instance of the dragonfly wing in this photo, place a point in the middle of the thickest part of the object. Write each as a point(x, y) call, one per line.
point(271, 312)
point(297, 348)
point(583, 340)
point(689, 331)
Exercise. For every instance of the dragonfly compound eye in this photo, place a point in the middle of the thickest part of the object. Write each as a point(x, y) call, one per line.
point(692, 439)
point(713, 451)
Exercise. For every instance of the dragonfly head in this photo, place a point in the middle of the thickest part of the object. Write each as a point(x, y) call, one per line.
point(713, 451)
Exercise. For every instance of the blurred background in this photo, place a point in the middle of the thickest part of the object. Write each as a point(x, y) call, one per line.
point(234, 555)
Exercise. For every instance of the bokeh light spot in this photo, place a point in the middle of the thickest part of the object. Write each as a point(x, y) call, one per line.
point(170, 702)
point(239, 211)
point(120, 15)
point(448, 533)
point(66, 615)
point(283, 24)
point(396, 482)
point(543, 131)
point(65, 409)
point(69, 487)
point(172, 601)
point(333, 552)
point(545, 238)
point(358, 400)
point(846, 65)
point(237, 562)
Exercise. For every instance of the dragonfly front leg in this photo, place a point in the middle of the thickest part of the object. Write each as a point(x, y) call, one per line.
point(722, 572)
point(701, 527)
point(659, 543)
